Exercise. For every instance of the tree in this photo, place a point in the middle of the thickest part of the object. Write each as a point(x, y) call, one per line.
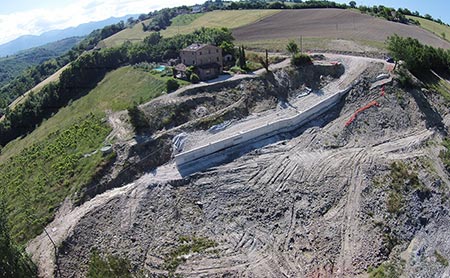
point(242, 61)
point(265, 62)
point(153, 38)
point(352, 4)
point(227, 48)
point(137, 117)
point(172, 85)
point(300, 59)
point(292, 47)
point(13, 262)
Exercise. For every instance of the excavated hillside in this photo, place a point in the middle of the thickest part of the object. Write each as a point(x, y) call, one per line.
point(334, 198)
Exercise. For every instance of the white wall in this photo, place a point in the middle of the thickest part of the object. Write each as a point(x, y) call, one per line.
point(283, 125)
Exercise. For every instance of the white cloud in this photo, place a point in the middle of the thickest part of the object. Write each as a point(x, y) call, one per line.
point(38, 21)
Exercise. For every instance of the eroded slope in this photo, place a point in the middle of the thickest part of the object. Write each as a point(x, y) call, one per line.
point(325, 200)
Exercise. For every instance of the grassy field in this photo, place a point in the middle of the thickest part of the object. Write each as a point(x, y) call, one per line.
point(230, 19)
point(118, 90)
point(185, 19)
point(134, 34)
point(312, 44)
point(440, 30)
point(38, 171)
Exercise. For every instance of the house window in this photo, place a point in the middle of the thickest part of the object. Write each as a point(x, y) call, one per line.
point(209, 51)
point(184, 61)
point(217, 50)
point(193, 62)
point(217, 59)
point(200, 53)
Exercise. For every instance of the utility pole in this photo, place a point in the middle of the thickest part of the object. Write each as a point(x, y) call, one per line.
point(301, 44)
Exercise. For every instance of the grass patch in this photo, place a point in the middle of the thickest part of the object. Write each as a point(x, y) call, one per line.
point(38, 179)
point(254, 58)
point(229, 19)
point(442, 87)
point(38, 171)
point(108, 267)
point(188, 245)
point(133, 34)
point(445, 154)
point(402, 180)
point(185, 19)
point(386, 270)
point(117, 91)
point(434, 27)
point(312, 44)
point(440, 258)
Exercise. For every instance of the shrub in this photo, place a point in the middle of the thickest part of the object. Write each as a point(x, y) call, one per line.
point(172, 85)
point(404, 77)
point(292, 48)
point(237, 69)
point(301, 59)
point(137, 118)
point(194, 78)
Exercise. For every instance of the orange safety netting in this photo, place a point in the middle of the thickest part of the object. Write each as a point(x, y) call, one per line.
point(370, 104)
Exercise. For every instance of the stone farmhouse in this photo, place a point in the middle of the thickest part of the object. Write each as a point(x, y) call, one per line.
point(206, 58)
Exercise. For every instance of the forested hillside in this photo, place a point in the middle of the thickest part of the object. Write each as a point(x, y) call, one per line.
point(35, 74)
point(13, 66)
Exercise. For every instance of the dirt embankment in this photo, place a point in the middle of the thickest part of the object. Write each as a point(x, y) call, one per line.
point(315, 204)
point(324, 200)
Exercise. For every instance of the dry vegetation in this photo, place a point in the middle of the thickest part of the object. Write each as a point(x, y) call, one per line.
point(229, 19)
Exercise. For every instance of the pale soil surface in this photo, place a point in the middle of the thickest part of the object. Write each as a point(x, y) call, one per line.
point(354, 68)
point(308, 203)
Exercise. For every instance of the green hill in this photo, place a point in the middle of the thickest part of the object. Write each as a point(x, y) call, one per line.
point(133, 34)
point(12, 66)
point(440, 30)
point(187, 23)
point(183, 24)
point(53, 162)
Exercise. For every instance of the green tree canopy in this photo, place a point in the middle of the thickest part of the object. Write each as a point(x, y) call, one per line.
point(292, 47)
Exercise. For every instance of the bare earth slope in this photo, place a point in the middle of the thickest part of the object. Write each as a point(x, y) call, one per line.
point(332, 23)
point(316, 202)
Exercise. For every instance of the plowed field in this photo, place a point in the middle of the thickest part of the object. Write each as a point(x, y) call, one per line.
point(334, 24)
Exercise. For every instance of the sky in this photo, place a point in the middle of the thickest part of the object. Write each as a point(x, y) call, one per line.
point(34, 17)
point(24, 17)
point(436, 8)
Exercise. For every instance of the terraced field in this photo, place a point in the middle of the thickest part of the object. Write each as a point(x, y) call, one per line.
point(229, 19)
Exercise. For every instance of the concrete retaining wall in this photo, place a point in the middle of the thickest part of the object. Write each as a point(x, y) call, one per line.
point(271, 128)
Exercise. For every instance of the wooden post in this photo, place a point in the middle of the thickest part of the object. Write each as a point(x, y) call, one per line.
point(301, 44)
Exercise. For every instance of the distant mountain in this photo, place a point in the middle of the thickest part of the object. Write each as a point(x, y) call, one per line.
point(12, 66)
point(30, 41)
